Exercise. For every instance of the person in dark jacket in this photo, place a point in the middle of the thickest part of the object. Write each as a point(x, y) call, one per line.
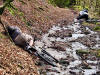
point(21, 39)
point(82, 15)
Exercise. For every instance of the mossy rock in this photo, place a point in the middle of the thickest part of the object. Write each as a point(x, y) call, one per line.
point(81, 52)
point(64, 62)
point(97, 28)
point(98, 53)
point(98, 23)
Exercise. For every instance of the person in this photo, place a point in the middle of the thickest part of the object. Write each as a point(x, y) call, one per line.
point(26, 41)
point(82, 15)
point(21, 39)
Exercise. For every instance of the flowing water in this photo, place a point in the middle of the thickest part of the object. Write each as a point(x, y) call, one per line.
point(62, 42)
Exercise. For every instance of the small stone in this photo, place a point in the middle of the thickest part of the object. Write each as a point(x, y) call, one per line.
point(74, 73)
point(98, 73)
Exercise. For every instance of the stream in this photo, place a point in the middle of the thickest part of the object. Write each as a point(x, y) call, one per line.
point(62, 42)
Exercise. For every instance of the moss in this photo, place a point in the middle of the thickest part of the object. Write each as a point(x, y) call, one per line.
point(5, 4)
point(98, 23)
point(62, 3)
point(12, 12)
point(86, 23)
point(95, 52)
point(81, 52)
point(12, 9)
point(51, 2)
point(97, 28)
point(76, 7)
point(98, 53)
point(23, 19)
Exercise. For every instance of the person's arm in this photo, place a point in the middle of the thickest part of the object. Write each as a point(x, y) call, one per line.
point(31, 42)
point(81, 13)
point(29, 39)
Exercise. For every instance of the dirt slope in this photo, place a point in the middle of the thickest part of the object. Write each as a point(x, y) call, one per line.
point(34, 17)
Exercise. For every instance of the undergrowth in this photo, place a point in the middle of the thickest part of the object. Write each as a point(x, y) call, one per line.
point(15, 12)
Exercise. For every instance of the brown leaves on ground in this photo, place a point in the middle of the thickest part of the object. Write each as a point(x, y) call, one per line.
point(14, 60)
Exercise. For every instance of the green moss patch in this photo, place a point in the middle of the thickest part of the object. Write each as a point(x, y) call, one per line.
point(76, 7)
point(81, 52)
point(98, 53)
point(97, 28)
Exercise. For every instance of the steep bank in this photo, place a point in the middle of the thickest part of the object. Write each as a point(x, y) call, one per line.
point(34, 17)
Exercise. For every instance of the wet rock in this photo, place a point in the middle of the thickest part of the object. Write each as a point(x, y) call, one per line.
point(84, 30)
point(42, 72)
point(99, 65)
point(39, 63)
point(92, 58)
point(98, 73)
point(89, 41)
point(72, 72)
point(85, 65)
point(52, 70)
point(60, 46)
point(62, 34)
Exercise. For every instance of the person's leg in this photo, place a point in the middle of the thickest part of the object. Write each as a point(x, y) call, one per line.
point(85, 16)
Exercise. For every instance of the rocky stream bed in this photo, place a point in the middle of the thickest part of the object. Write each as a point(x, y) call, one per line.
point(74, 46)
